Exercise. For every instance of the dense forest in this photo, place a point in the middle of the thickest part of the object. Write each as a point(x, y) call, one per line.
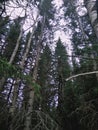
point(48, 80)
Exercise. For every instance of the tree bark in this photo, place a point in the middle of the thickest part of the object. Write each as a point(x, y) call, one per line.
point(92, 12)
point(13, 104)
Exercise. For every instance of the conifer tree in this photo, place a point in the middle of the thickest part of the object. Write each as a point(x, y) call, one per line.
point(44, 78)
point(62, 72)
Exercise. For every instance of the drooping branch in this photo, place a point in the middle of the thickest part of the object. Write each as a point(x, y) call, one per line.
point(81, 74)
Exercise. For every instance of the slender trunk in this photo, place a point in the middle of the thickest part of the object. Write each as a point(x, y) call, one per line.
point(14, 97)
point(16, 47)
point(13, 104)
point(29, 42)
point(15, 91)
point(31, 94)
point(12, 56)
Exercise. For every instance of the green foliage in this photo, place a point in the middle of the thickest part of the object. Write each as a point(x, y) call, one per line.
point(11, 39)
point(14, 29)
point(63, 67)
point(45, 64)
point(3, 24)
point(96, 90)
point(8, 70)
point(44, 78)
point(46, 8)
point(37, 89)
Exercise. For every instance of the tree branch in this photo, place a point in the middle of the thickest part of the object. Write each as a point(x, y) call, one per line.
point(82, 74)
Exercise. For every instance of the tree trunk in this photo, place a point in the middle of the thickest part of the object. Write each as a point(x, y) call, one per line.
point(15, 91)
point(13, 104)
point(31, 94)
point(2, 81)
point(92, 12)
point(29, 41)
point(17, 46)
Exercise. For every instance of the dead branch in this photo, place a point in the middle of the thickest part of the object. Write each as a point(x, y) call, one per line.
point(82, 74)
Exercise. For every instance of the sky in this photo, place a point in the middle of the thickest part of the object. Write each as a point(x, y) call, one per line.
point(14, 12)
point(60, 32)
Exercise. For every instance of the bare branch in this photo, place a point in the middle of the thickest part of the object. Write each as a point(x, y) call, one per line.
point(82, 74)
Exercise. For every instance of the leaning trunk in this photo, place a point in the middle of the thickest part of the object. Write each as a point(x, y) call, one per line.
point(2, 80)
point(29, 41)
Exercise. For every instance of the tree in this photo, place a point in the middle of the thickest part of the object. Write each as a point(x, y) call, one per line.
point(62, 71)
point(44, 79)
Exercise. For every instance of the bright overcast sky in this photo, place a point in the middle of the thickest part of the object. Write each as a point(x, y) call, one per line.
point(64, 35)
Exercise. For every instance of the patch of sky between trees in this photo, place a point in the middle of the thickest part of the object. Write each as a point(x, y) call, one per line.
point(15, 11)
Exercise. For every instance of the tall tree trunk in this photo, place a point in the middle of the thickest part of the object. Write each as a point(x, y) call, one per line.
point(92, 12)
point(31, 94)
